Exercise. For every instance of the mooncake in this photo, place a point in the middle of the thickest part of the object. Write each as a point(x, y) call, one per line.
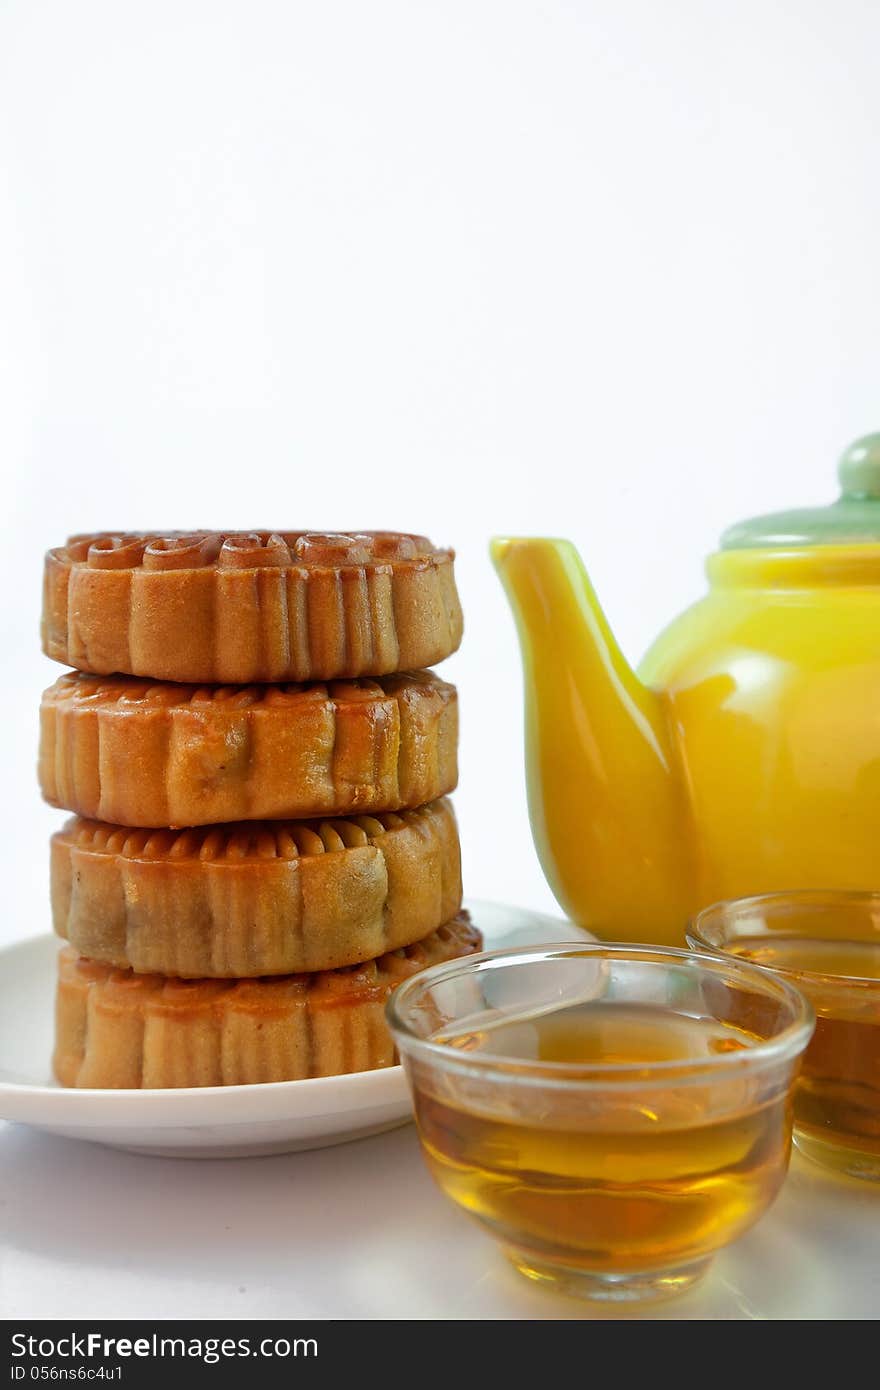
point(236, 607)
point(118, 1029)
point(256, 898)
point(138, 752)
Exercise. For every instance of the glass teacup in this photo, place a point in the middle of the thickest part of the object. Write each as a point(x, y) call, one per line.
point(828, 944)
point(613, 1114)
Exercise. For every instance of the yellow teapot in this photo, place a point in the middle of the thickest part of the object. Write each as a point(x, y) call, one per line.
point(744, 756)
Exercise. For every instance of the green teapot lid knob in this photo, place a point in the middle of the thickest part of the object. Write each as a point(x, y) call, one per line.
point(854, 519)
point(859, 468)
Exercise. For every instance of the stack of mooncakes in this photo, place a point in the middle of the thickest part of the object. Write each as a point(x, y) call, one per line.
point(262, 846)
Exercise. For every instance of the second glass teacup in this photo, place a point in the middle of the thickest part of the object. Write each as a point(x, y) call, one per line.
point(828, 944)
point(613, 1114)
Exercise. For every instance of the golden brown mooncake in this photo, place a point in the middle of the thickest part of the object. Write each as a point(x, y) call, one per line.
point(137, 752)
point(114, 1028)
point(236, 607)
point(255, 898)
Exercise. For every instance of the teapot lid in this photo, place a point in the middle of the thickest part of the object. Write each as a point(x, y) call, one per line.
point(852, 520)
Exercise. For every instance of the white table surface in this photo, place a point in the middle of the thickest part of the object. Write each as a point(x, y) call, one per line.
point(359, 1231)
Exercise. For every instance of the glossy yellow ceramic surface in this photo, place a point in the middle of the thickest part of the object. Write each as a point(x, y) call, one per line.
point(744, 757)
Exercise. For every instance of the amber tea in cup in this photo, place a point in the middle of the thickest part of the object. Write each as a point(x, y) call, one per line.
point(614, 1115)
point(828, 944)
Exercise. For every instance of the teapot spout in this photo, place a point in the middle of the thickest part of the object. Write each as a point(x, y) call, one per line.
point(607, 800)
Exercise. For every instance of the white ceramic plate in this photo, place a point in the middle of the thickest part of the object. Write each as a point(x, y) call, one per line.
point(209, 1121)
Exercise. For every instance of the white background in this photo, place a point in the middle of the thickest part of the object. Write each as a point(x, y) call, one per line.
point(593, 268)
